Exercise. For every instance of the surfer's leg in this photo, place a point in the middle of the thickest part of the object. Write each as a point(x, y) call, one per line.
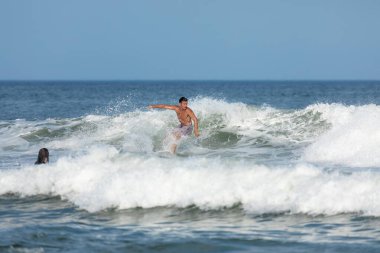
point(173, 148)
point(176, 136)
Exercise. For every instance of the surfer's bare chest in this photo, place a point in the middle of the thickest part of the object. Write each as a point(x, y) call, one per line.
point(183, 116)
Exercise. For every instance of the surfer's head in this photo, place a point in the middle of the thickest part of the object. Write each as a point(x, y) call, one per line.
point(183, 102)
point(43, 156)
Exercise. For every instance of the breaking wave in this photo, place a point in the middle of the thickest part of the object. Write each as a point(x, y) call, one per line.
point(263, 159)
point(105, 179)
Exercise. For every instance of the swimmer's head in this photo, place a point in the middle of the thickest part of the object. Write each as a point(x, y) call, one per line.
point(183, 102)
point(43, 156)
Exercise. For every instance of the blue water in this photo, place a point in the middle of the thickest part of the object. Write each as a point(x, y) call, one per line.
point(65, 99)
point(279, 167)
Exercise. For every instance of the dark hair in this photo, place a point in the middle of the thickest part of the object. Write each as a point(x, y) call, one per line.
point(42, 155)
point(182, 99)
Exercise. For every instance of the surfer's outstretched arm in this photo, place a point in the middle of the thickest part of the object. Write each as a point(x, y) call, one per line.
point(169, 107)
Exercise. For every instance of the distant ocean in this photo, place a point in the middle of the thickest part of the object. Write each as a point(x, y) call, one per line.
point(285, 166)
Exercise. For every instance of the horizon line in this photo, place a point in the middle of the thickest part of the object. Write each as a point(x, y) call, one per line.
point(189, 80)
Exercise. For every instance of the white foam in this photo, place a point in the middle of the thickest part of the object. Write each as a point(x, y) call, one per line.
point(103, 178)
point(354, 138)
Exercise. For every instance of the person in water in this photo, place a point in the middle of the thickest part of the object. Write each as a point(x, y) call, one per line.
point(43, 156)
point(185, 116)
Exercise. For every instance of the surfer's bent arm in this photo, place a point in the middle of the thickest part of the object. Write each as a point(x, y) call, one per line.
point(169, 107)
point(195, 119)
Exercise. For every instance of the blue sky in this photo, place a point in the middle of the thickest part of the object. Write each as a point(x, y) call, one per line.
point(178, 39)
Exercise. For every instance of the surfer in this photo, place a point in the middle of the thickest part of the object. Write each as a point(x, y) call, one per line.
point(185, 116)
point(43, 156)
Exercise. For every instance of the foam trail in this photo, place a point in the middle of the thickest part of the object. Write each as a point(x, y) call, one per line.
point(103, 179)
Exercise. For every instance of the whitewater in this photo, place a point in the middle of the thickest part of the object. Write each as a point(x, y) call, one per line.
point(321, 159)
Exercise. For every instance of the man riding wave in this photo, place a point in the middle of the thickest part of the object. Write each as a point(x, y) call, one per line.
point(185, 116)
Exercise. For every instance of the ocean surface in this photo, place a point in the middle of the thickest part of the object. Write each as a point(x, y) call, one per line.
point(279, 167)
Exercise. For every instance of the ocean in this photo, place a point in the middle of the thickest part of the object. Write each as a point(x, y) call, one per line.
point(280, 166)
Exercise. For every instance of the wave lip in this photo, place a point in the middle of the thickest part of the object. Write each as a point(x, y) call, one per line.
point(104, 178)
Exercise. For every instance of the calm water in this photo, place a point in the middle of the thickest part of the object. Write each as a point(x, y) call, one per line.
point(279, 167)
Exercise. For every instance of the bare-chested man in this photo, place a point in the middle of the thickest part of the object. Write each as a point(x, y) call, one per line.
point(185, 116)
